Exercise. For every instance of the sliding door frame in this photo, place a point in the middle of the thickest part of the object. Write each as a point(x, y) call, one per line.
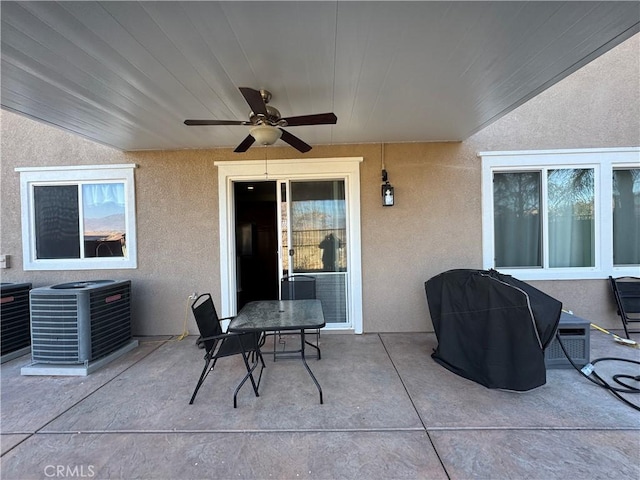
point(347, 168)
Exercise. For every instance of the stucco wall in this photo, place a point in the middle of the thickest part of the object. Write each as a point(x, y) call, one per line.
point(434, 226)
point(598, 106)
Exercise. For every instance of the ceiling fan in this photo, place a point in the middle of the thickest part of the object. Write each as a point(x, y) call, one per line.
point(267, 122)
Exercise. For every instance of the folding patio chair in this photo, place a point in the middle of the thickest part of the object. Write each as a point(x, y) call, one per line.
point(218, 344)
point(626, 291)
point(298, 287)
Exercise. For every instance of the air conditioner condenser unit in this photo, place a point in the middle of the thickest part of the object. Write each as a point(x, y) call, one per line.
point(15, 335)
point(80, 322)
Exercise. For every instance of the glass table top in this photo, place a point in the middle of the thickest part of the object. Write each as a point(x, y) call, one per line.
point(268, 315)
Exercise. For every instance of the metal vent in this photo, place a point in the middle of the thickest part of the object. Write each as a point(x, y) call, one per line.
point(110, 320)
point(574, 333)
point(14, 317)
point(54, 328)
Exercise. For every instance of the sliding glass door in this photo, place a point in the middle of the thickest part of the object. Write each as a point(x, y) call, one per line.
point(313, 233)
point(318, 230)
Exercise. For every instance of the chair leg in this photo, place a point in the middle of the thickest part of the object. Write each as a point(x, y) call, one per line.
point(624, 324)
point(249, 375)
point(203, 375)
point(261, 342)
point(259, 355)
point(261, 358)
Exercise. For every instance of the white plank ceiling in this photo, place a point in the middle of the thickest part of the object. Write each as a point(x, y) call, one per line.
point(127, 74)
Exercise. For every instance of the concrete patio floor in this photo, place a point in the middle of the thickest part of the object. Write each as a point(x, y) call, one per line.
point(390, 411)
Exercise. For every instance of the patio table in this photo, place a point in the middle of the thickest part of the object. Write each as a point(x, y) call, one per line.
point(280, 315)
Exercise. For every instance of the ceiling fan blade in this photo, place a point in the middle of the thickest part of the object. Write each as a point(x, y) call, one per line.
point(255, 101)
point(317, 119)
point(193, 123)
point(245, 144)
point(294, 141)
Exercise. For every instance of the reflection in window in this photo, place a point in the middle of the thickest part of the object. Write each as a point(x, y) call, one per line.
point(589, 209)
point(519, 219)
point(517, 229)
point(571, 219)
point(318, 226)
point(56, 216)
point(58, 228)
point(626, 216)
point(318, 240)
point(104, 219)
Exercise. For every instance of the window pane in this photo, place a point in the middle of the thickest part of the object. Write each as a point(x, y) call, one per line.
point(318, 226)
point(626, 217)
point(56, 221)
point(571, 217)
point(318, 239)
point(104, 220)
point(517, 233)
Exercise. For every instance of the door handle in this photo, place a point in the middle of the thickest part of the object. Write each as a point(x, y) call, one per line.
point(291, 252)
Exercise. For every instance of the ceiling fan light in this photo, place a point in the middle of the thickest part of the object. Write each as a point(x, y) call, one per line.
point(265, 134)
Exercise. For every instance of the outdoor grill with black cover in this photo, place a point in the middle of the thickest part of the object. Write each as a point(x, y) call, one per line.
point(492, 328)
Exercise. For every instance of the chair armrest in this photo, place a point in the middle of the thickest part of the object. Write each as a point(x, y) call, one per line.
point(216, 337)
point(228, 320)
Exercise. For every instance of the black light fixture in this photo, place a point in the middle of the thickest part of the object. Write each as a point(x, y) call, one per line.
point(387, 191)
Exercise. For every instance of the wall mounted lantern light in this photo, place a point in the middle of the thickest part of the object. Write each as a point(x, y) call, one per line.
point(387, 191)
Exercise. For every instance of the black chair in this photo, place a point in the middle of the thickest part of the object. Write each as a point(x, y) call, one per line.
point(218, 344)
point(626, 291)
point(298, 287)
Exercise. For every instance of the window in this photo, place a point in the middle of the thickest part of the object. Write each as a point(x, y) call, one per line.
point(626, 216)
point(78, 218)
point(516, 210)
point(562, 214)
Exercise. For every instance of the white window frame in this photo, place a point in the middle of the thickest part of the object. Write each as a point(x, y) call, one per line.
point(603, 161)
point(70, 175)
point(347, 168)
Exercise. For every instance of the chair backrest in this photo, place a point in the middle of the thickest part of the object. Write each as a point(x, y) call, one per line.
point(298, 287)
point(207, 319)
point(627, 293)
